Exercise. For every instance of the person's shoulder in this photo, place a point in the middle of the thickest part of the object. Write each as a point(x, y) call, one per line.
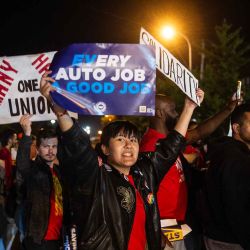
point(236, 146)
point(5, 153)
point(144, 161)
point(4, 150)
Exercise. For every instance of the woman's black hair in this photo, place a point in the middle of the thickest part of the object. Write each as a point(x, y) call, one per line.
point(114, 128)
point(98, 150)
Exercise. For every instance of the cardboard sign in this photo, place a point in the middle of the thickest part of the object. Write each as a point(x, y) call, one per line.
point(171, 67)
point(19, 87)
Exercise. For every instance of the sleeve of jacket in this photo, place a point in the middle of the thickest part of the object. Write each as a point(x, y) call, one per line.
point(167, 151)
point(23, 162)
point(236, 196)
point(77, 157)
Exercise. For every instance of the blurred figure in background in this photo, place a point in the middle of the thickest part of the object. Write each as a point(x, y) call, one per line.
point(9, 140)
point(3, 219)
point(173, 191)
point(227, 187)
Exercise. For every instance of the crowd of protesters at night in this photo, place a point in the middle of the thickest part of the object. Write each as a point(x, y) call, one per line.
point(182, 185)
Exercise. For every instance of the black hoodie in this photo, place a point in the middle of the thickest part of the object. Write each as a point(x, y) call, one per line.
point(227, 189)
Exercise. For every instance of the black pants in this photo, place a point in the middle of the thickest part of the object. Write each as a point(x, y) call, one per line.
point(29, 244)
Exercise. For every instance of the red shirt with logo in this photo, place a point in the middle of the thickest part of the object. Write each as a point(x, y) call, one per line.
point(56, 210)
point(172, 193)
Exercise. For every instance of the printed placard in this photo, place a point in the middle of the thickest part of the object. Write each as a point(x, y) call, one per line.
point(102, 79)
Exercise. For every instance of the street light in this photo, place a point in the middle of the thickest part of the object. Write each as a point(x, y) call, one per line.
point(169, 32)
point(87, 129)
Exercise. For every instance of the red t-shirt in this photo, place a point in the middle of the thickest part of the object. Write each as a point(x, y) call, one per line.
point(56, 210)
point(172, 193)
point(137, 239)
point(6, 156)
point(200, 162)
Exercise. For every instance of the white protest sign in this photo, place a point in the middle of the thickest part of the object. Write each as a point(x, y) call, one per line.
point(171, 67)
point(19, 87)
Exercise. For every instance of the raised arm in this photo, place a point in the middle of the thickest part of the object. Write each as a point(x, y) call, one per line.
point(207, 127)
point(187, 112)
point(23, 162)
point(169, 148)
point(77, 153)
point(64, 120)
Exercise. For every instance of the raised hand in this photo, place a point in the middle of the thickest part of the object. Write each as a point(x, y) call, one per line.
point(46, 88)
point(234, 102)
point(25, 123)
point(64, 120)
point(186, 114)
point(45, 85)
point(200, 94)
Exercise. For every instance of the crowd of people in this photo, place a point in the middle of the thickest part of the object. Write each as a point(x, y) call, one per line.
point(170, 189)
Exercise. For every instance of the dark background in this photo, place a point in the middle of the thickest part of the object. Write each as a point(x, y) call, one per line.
point(35, 26)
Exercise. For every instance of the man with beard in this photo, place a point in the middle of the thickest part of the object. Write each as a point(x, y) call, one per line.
point(173, 191)
point(227, 186)
point(42, 192)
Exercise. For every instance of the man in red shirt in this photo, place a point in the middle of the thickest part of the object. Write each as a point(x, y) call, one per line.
point(8, 140)
point(43, 192)
point(173, 194)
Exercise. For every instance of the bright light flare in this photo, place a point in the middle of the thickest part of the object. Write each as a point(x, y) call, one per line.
point(168, 32)
point(87, 129)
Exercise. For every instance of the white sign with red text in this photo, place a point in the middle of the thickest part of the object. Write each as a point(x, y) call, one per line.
point(171, 67)
point(19, 87)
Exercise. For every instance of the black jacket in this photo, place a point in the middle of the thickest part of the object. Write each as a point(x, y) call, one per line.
point(227, 189)
point(103, 201)
point(36, 188)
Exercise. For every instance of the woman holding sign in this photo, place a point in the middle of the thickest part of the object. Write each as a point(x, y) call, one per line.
point(113, 204)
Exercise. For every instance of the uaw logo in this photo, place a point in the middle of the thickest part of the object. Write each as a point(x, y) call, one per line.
point(100, 106)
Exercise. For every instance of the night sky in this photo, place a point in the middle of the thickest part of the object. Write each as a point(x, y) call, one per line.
point(34, 26)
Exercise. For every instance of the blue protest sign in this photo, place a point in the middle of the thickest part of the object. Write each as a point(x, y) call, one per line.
point(100, 79)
